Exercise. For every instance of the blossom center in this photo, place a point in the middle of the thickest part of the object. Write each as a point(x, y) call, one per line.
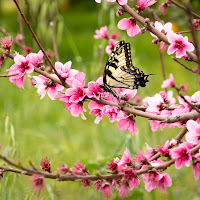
point(24, 65)
point(179, 45)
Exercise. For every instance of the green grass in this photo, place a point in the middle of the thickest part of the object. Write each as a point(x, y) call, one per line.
point(37, 128)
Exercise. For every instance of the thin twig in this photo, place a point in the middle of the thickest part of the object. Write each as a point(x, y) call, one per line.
point(72, 177)
point(6, 75)
point(21, 30)
point(153, 14)
point(152, 29)
point(39, 44)
point(182, 7)
point(194, 35)
point(189, 31)
point(193, 71)
point(54, 41)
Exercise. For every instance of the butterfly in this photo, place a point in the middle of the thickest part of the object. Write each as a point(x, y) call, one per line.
point(119, 71)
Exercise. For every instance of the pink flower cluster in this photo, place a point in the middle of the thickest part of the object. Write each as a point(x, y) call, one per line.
point(178, 43)
point(103, 33)
point(164, 104)
point(23, 65)
point(125, 121)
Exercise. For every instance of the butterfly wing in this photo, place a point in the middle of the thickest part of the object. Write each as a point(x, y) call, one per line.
point(119, 71)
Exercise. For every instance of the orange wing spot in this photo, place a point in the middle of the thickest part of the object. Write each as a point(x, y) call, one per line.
point(137, 71)
point(131, 68)
point(133, 76)
point(125, 67)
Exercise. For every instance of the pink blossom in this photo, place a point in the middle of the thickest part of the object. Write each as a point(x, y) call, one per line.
point(128, 94)
point(37, 182)
point(7, 42)
point(45, 164)
point(195, 98)
point(162, 47)
point(184, 88)
point(173, 142)
point(164, 150)
point(193, 135)
point(179, 44)
point(104, 186)
point(65, 71)
point(45, 85)
point(74, 108)
point(94, 90)
point(80, 76)
point(168, 82)
point(21, 66)
point(102, 33)
point(182, 155)
point(164, 29)
point(127, 123)
point(36, 59)
point(125, 159)
point(154, 179)
point(1, 59)
point(77, 108)
point(111, 112)
point(142, 4)
point(79, 169)
point(163, 7)
point(96, 109)
point(196, 166)
point(18, 80)
point(129, 25)
point(122, 191)
point(113, 166)
point(64, 169)
point(111, 45)
point(77, 93)
point(115, 36)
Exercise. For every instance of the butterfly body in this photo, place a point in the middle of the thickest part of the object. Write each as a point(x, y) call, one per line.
point(119, 71)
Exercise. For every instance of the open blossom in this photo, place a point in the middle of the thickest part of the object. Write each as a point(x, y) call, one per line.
point(168, 82)
point(19, 69)
point(155, 179)
point(128, 94)
point(102, 33)
point(97, 109)
point(77, 93)
point(6, 42)
point(142, 4)
point(111, 112)
point(103, 185)
point(129, 25)
point(165, 29)
point(196, 166)
point(37, 182)
point(94, 90)
point(121, 2)
point(111, 45)
point(127, 123)
point(179, 44)
point(65, 71)
point(193, 135)
point(22, 65)
point(64, 169)
point(182, 155)
point(36, 59)
point(45, 85)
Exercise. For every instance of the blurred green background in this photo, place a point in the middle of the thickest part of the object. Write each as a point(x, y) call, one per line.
point(31, 128)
